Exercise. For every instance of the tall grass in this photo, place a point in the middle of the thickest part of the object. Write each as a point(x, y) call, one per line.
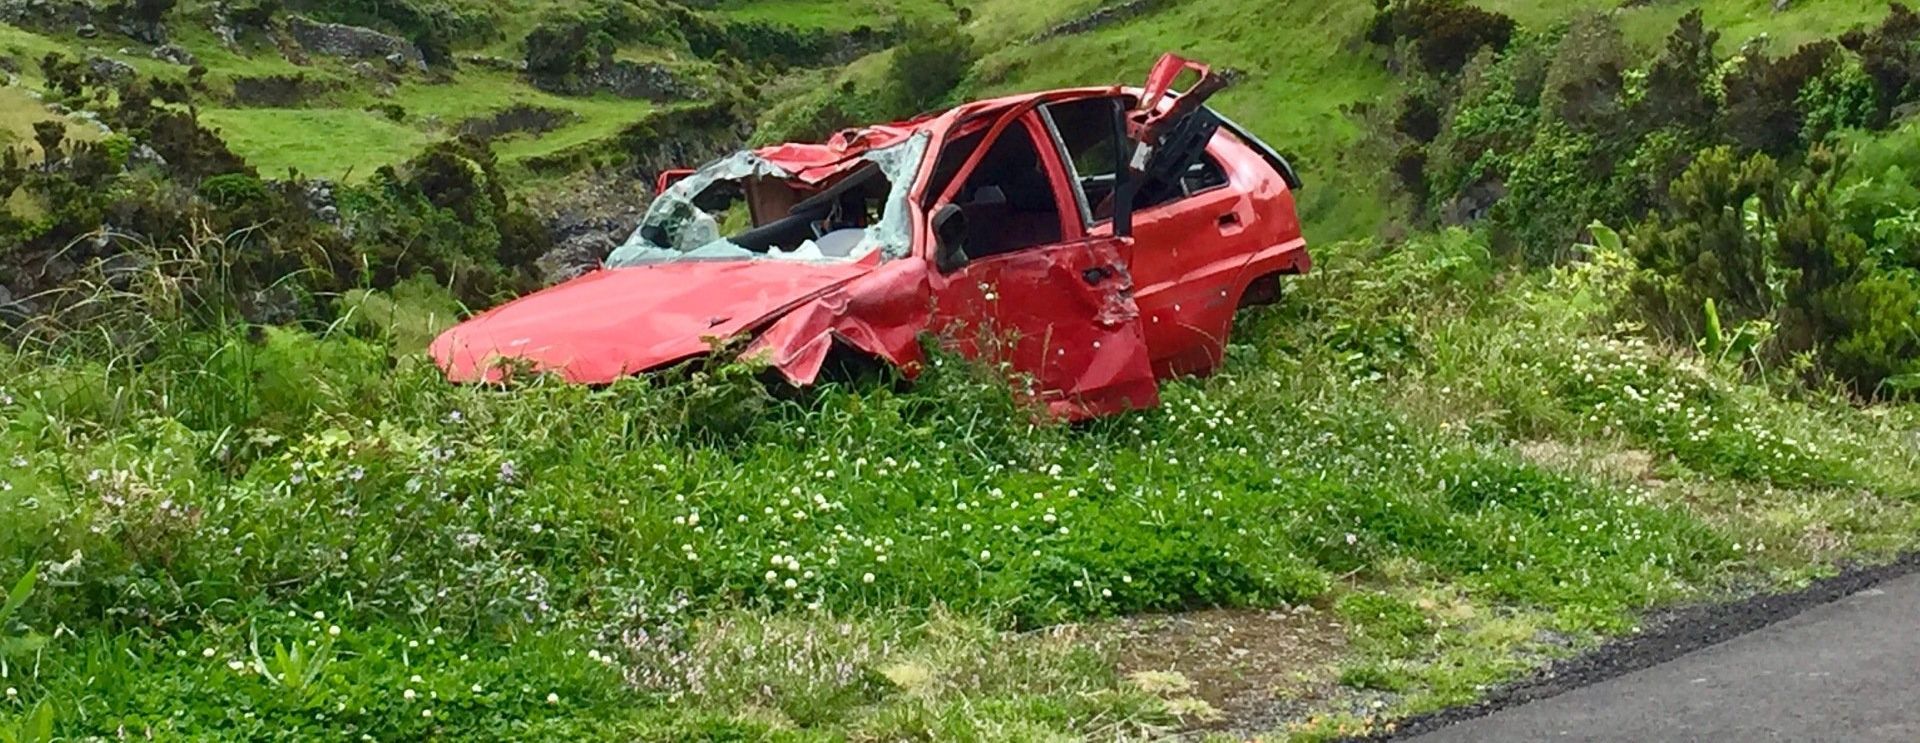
point(187, 484)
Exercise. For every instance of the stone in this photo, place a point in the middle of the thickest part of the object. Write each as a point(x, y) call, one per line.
point(174, 53)
point(109, 69)
point(354, 42)
point(87, 31)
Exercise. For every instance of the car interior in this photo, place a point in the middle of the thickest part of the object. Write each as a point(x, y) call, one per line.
point(1086, 130)
point(834, 218)
point(1008, 201)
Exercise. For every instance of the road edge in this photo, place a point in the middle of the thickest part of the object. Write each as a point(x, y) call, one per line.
point(1664, 636)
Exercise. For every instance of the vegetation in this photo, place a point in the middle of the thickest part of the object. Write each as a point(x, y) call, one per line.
point(236, 503)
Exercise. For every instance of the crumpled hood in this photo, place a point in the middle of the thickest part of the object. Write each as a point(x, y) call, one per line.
point(618, 322)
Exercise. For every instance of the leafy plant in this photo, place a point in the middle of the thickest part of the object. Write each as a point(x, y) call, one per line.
point(14, 645)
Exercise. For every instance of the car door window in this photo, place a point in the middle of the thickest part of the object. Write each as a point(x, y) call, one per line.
point(1009, 200)
point(1090, 142)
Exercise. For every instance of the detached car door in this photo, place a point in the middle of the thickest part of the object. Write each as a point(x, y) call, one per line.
point(1020, 283)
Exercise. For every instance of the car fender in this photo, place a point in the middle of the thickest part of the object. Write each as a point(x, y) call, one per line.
point(881, 314)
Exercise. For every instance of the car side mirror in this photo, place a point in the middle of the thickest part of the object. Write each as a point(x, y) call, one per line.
point(950, 237)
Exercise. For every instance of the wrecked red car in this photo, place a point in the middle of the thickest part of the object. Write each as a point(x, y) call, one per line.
point(1095, 240)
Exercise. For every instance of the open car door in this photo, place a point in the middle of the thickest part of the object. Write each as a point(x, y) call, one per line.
point(1170, 131)
point(1045, 299)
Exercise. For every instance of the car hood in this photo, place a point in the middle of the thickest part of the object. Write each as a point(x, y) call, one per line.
point(614, 323)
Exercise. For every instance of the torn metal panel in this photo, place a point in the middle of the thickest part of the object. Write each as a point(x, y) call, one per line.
point(881, 315)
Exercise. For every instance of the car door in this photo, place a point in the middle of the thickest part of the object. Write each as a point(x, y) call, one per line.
point(1190, 225)
point(1030, 289)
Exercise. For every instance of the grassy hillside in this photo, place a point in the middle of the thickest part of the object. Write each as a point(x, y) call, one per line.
point(247, 508)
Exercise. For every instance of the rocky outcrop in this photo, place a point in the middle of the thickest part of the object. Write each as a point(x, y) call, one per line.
point(353, 42)
point(83, 18)
point(50, 15)
point(638, 80)
point(520, 119)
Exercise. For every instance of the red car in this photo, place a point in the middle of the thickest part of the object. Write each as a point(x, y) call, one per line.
point(1095, 239)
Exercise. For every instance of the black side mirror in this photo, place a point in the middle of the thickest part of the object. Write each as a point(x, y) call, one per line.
point(950, 237)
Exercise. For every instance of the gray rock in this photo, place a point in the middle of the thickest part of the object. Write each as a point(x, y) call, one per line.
point(353, 42)
point(87, 31)
point(174, 53)
point(639, 80)
point(111, 70)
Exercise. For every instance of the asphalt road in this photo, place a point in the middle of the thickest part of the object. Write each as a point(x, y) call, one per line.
point(1844, 671)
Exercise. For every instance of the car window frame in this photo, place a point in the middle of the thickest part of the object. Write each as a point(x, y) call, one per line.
point(1037, 126)
point(1087, 220)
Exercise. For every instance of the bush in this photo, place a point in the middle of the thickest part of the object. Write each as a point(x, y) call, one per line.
point(1444, 34)
point(1783, 248)
point(1763, 112)
point(1710, 245)
point(928, 65)
point(1890, 57)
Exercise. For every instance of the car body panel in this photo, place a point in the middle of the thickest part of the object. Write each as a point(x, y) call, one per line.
point(613, 323)
point(1092, 319)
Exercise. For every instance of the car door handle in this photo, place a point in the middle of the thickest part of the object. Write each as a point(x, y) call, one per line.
point(1230, 219)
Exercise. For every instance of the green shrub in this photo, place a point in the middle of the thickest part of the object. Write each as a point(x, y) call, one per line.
point(1890, 57)
point(928, 65)
point(1444, 34)
point(1764, 97)
point(1712, 244)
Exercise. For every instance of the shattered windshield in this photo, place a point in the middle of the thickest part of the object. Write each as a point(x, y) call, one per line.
point(744, 207)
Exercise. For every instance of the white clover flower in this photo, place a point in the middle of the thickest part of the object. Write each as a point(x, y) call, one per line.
point(408, 695)
point(426, 713)
point(985, 555)
point(333, 631)
point(553, 698)
point(207, 653)
point(236, 665)
point(416, 679)
point(868, 578)
point(791, 584)
point(477, 689)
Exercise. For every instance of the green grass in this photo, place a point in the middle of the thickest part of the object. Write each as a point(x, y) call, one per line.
point(1373, 447)
point(320, 143)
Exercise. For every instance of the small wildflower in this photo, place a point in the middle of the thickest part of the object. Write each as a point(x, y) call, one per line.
point(333, 631)
point(553, 698)
point(868, 578)
point(207, 653)
point(408, 695)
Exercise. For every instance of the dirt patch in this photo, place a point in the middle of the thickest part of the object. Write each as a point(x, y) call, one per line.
point(1251, 669)
point(1663, 637)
